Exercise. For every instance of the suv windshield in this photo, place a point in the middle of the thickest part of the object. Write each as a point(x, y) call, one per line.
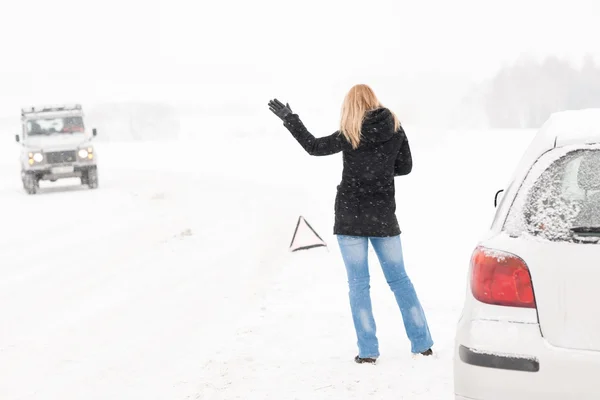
point(560, 198)
point(48, 126)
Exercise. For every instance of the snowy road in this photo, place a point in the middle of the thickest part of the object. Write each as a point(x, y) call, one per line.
point(173, 280)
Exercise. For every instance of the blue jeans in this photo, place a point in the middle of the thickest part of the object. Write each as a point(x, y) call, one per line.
point(389, 252)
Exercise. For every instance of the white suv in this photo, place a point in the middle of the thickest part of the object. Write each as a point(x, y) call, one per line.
point(530, 326)
point(56, 145)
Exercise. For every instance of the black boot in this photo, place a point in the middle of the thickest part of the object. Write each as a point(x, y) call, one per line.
point(427, 352)
point(368, 360)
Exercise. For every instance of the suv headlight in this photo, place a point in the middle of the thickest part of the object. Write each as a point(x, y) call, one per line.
point(86, 154)
point(37, 157)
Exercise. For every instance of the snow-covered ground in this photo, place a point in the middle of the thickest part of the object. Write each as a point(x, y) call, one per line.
point(173, 280)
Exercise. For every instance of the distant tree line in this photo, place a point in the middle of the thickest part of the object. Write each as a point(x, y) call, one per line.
point(525, 94)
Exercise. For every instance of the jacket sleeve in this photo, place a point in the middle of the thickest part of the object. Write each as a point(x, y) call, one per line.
point(323, 146)
point(403, 165)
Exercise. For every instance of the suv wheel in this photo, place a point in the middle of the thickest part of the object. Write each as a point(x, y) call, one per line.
point(91, 178)
point(30, 183)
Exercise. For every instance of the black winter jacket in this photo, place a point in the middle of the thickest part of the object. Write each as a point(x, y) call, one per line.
point(365, 204)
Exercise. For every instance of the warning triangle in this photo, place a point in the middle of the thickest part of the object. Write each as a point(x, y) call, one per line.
point(305, 237)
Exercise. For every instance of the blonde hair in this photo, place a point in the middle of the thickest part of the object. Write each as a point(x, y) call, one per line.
point(359, 100)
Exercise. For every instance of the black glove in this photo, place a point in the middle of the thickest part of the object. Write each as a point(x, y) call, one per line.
point(279, 109)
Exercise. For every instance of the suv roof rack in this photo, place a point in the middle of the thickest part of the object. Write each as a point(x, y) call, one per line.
point(50, 108)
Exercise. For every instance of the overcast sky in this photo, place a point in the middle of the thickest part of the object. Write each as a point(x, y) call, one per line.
point(240, 51)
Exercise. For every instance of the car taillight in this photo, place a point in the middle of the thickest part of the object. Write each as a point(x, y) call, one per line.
point(501, 278)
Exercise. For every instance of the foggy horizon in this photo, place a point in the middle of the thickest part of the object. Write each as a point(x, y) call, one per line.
point(211, 56)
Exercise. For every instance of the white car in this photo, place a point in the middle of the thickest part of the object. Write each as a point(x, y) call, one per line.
point(56, 145)
point(530, 326)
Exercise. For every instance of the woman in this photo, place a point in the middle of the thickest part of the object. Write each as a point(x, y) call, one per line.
point(375, 150)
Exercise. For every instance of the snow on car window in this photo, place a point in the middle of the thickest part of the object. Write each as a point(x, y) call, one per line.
point(561, 192)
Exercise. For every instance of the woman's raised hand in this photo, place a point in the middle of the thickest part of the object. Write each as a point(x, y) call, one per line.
point(279, 108)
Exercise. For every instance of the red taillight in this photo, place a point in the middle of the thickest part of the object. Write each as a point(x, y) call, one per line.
point(501, 278)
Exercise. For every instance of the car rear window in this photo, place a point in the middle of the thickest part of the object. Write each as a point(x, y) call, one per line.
point(561, 193)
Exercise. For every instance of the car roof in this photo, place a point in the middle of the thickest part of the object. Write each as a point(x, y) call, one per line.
point(564, 128)
point(574, 127)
